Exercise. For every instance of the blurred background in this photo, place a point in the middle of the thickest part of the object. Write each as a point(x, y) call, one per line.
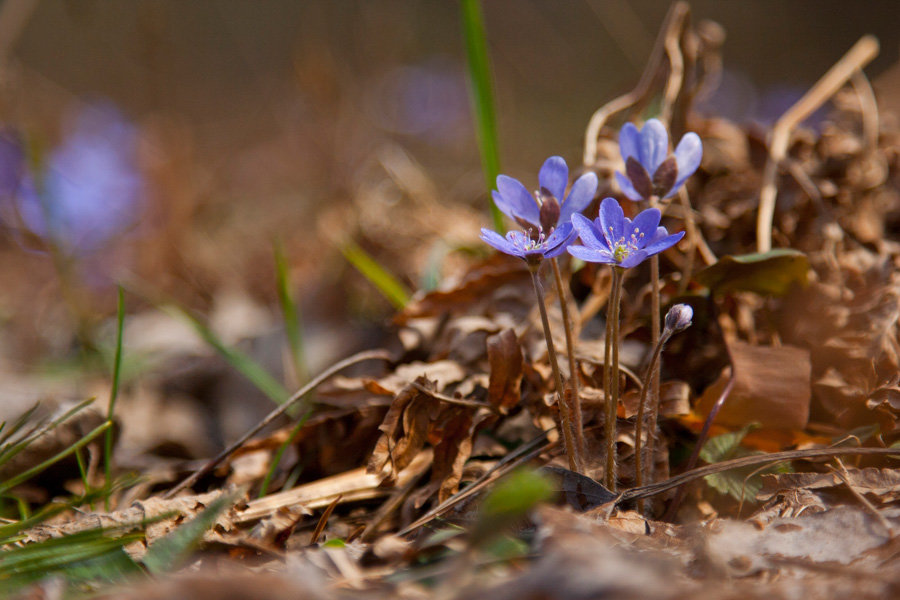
point(169, 144)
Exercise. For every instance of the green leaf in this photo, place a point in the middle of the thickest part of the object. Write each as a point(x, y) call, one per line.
point(479, 70)
point(723, 447)
point(510, 501)
point(768, 273)
point(741, 484)
point(389, 286)
point(165, 554)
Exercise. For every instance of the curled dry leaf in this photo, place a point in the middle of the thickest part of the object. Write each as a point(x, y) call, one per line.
point(772, 387)
point(506, 363)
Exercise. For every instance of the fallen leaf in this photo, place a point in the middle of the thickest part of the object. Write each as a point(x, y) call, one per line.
point(772, 387)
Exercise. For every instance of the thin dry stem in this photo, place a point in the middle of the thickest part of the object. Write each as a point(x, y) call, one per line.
point(611, 376)
point(575, 405)
point(565, 416)
point(299, 395)
point(854, 60)
point(674, 22)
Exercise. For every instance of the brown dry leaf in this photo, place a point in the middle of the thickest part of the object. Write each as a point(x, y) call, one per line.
point(181, 508)
point(506, 363)
point(880, 484)
point(772, 387)
point(480, 281)
point(442, 373)
point(404, 429)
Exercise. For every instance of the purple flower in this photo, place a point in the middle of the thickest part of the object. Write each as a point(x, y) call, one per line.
point(649, 168)
point(531, 248)
point(92, 188)
point(550, 205)
point(616, 240)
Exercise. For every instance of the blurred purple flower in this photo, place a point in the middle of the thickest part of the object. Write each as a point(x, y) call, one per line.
point(649, 168)
point(513, 199)
point(91, 187)
point(531, 248)
point(616, 240)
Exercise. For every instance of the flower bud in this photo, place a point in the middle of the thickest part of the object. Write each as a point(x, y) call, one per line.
point(679, 318)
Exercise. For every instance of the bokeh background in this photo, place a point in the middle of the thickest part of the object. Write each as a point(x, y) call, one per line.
point(168, 144)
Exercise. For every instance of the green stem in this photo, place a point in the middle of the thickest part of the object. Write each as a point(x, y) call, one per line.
point(564, 416)
point(611, 375)
point(113, 395)
point(573, 396)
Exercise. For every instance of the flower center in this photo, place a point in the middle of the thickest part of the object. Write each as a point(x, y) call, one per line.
point(623, 248)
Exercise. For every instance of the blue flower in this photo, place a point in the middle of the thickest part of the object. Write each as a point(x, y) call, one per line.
point(92, 187)
point(649, 168)
point(616, 240)
point(531, 248)
point(554, 206)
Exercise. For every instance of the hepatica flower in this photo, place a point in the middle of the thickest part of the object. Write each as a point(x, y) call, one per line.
point(616, 240)
point(649, 168)
point(92, 188)
point(545, 216)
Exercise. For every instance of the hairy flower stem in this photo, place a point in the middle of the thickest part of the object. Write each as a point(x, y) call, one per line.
point(611, 375)
point(573, 396)
point(652, 370)
point(565, 416)
point(654, 324)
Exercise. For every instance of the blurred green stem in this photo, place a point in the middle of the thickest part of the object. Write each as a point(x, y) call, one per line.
point(291, 316)
point(479, 69)
point(114, 393)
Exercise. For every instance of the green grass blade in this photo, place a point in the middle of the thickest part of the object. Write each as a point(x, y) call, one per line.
point(479, 70)
point(11, 449)
point(12, 482)
point(291, 316)
point(20, 422)
point(245, 365)
point(84, 556)
point(165, 554)
point(390, 287)
point(276, 460)
point(114, 392)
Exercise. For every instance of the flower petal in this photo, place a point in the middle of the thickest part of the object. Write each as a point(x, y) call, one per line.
point(588, 232)
point(663, 243)
point(644, 226)
point(591, 254)
point(579, 197)
point(687, 155)
point(634, 259)
point(520, 202)
point(629, 142)
point(612, 221)
point(654, 145)
point(626, 187)
point(554, 176)
point(561, 238)
point(499, 242)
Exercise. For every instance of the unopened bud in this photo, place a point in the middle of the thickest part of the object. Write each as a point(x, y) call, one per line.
point(679, 318)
